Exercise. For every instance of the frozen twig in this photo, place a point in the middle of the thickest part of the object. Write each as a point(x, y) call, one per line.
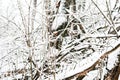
point(110, 15)
point(105, 16)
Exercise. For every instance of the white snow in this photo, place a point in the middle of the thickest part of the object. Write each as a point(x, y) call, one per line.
point(8, 43)
point(59, 20)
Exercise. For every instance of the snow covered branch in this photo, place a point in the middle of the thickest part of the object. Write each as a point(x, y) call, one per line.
point(83, 73)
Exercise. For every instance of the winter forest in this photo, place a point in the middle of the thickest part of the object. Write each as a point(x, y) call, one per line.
point(60, 40)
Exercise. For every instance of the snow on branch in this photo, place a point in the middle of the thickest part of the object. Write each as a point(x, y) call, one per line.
point(83, 73)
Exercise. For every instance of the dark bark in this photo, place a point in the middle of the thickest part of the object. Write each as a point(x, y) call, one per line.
point(113, 74)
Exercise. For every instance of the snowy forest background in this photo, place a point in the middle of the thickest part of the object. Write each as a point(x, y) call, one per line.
point(59, 39)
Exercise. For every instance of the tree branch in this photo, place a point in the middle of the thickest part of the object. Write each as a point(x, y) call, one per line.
point(84, 72)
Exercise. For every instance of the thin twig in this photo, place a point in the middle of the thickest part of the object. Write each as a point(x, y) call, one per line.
point(105, 17)
point(101, 12)
point(109, 12)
